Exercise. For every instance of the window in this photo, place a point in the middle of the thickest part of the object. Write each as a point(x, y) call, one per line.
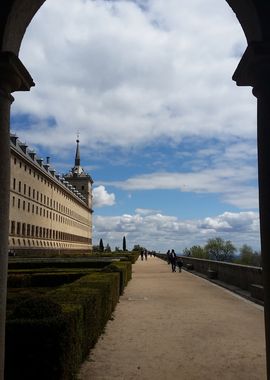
point(12, 231)
point(82, 187)
point(18, 228)
point(23, 229)
point(33, 230)
point(29, 191)
point(37, 195)
point(28, 232)
point(33, 209)
point(24, 188)
point(28, 209)
point(14, 183)
point(37, 210)
point(20, 186)
point(25, 167)
point(15, 161)
point(23, 205)
point(13, 201)
point(34, 193)
point(19, 203)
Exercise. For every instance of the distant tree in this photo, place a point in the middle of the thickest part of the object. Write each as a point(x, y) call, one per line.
point(220, 250)
point(124, 244)
point(101, 246)
point(248, 256)
point(95, 248)
point(117, 249)
point(196, 251)
point(108, 248)
point(137, 248)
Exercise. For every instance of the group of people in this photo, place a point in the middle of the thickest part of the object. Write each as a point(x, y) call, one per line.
point(144, 254)
point(174, 260)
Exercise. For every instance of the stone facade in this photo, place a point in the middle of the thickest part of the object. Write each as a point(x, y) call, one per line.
point(46, 210)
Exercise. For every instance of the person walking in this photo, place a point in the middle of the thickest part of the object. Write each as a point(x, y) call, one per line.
point(141, 254)
point(173, 260)
point(168, 254)
point(179, 263)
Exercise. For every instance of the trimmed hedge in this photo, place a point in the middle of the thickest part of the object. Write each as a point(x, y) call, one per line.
point(54, 347)
point(58, 263)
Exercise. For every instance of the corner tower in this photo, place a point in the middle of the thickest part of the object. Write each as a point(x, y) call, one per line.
point(79, 179)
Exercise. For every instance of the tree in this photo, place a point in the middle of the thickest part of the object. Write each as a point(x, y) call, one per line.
point(196, 251)
point(137, 248)
point(101, 246)
point(124, 244)
point(220, 250)
point(108, 248)
point(248, 256)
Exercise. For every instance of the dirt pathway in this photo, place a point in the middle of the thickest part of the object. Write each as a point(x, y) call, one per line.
point(170, 326)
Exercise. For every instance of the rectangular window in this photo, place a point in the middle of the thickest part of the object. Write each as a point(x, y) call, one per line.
point(28, 209)
point(24, 189)
point(13, 201)
point(12, 227)
point(33, 209)
point(37, 210)
point(18, 228)
point(14, 183)
point(20, 186)
point(19, 203)
point(37, 195)
point(25, 167)
point(34, 193)
point(23, 205)
point(29, 191)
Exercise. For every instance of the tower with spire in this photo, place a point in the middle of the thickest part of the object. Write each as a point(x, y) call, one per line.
point(79, 179)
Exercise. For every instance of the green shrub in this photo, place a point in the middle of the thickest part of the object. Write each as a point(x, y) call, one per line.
point(36, 308)
point(49, 337)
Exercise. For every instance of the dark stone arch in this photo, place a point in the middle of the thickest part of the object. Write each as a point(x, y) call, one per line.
point(16, 15)
point(253, 16)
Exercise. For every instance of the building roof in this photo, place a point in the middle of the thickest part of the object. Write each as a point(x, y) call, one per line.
point(46, 168)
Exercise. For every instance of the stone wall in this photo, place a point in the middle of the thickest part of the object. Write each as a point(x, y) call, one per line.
point(242, 276)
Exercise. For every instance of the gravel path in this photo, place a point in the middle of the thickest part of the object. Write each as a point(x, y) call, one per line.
point(177, 326)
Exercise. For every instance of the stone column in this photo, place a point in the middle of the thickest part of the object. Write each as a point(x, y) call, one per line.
point(13, 77)
point(262, 92)
point(254, 70)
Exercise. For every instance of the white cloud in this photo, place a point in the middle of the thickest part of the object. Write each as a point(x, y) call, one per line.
point(161, 232)
point(102, 198)
point(126, 76)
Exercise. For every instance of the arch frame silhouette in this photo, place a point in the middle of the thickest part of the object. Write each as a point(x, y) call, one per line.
point(253, 70)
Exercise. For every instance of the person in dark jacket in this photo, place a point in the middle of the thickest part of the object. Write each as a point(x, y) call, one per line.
point(173, 260)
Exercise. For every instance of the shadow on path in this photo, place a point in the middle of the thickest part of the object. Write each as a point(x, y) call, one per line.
point(170, 326)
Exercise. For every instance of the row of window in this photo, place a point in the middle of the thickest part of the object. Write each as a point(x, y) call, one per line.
point(41, 178)
point(43, 212)
point(23, 229)
point(39, 197)
point(37, 243)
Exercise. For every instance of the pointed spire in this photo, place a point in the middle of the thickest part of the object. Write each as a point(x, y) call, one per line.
point(77, 169)
point(77, 156)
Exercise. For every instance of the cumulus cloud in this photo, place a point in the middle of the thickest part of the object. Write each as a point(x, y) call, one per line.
point(161, 232)
point(102, 198)
point(127, 74)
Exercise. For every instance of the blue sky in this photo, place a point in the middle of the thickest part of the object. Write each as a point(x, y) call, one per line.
point(167, 136)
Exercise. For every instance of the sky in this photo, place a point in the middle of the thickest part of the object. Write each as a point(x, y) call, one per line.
point(167, 136)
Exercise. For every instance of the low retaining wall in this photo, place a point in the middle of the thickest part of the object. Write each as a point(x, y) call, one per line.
point(242, 276)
